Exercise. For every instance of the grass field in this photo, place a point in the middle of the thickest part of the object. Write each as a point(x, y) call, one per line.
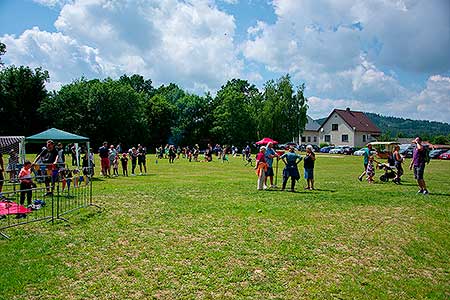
point(203, 231)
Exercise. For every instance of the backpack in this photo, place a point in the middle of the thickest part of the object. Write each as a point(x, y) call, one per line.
point(426, 154)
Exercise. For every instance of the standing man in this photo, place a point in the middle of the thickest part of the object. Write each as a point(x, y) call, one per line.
point(418, 162)
point(141, 159)
point(367, 153)
point(270, 154)
point(103, 152)
point(49, 157)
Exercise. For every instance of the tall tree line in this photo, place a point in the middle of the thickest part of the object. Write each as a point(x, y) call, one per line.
point(131, 110)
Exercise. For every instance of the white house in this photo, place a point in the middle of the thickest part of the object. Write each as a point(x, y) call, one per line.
point(347, 127)
point(311, 133)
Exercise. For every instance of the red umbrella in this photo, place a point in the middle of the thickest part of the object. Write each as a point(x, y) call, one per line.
point(266, 140)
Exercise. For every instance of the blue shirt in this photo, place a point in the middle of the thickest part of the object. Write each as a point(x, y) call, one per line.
point(291, 158)
point(366, 155)
point(269, 160)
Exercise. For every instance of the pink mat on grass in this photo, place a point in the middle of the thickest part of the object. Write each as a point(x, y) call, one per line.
point(11, 208)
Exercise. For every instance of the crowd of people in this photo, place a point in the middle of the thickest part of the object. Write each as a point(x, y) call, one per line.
point(52, 162)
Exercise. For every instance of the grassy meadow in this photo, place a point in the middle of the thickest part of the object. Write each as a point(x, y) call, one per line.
point(203, 231)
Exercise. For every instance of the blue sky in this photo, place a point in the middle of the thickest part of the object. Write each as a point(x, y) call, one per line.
point(384, 56)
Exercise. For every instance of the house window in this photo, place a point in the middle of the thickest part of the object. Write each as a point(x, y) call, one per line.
point(327, 138)
point(334, 127)
point(303, 139)
point(345, 137)
point(364, 138)
point(309, 139)
point(315, 139)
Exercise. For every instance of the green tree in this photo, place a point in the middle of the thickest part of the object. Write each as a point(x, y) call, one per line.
point(284, 112)
point(440, 140)
point(159, 114)
point(21, 92)
point(233, 123)
point(102, 110)
point(193, 115)
point(139, 84)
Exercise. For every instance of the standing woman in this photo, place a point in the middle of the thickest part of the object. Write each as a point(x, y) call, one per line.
point(309, 167)
point(291, 159)
point(398, 159)
point(261, 168)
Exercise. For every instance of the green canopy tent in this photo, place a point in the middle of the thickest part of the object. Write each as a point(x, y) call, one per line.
point(56, 135)
point(62, 136)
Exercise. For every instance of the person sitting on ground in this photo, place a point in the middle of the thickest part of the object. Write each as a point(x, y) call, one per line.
point(291, 159)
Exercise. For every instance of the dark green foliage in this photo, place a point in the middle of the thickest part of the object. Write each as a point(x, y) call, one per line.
point(401, 127)
point(102, 110)
point(233, 123)
point(21, 92)
point(283, 113)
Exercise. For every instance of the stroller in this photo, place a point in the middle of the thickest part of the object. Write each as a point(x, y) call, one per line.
point(390, 172)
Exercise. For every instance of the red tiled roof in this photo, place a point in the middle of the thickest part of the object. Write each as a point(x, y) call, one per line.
point(357, 120)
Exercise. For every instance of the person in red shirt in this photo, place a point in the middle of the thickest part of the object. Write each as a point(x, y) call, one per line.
point(26, 184)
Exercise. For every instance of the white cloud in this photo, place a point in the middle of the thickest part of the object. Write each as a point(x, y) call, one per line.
point(432, 103)
point(64, 57)
point(351, 49)
point(186, 42)
point(53, 3)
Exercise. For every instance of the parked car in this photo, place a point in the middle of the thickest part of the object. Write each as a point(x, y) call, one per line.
point(287, 145)
point(326, 149)
point(360, 152)
point(445, 155)
point(337, 150)
point(435, 153)
point(349, 150)
point(406, 150)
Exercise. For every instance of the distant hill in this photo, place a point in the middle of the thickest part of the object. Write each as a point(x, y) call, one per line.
point(406, 127)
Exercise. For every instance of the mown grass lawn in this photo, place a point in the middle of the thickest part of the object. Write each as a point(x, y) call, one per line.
point(203, 231)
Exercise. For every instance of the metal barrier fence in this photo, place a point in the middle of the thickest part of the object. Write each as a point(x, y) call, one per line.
point(53, 194)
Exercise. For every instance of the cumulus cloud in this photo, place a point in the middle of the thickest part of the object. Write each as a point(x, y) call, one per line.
point(186, 42)
point(346, 50)
point(64, 57)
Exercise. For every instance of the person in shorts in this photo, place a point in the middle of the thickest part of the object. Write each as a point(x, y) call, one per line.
point(103, 152)
point(418, 162)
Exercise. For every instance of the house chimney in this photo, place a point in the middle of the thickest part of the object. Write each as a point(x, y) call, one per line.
point(348, 109)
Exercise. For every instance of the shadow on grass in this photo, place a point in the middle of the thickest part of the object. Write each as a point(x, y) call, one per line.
point(440, 194)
